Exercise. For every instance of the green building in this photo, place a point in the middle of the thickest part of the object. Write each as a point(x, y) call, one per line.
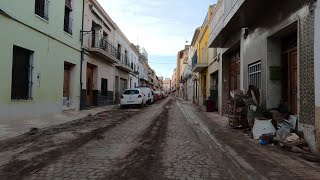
point(40, 54)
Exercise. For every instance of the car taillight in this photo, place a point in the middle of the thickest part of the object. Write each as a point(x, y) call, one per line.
point(121, 97)
point(139, 96)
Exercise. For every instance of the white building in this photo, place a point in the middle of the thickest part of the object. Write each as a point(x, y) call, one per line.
point(123, 68)
point(134, 61)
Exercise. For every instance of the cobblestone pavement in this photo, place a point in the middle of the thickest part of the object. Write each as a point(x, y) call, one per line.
point(157, 144)
point(95, 159)
point(184, 155)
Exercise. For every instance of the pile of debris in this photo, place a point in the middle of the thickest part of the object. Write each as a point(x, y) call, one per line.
point(274, 126)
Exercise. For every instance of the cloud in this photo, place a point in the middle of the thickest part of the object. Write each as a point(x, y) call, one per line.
point(161, 26)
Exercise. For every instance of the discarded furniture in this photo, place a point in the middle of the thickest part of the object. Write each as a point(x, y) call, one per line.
point(237, 109)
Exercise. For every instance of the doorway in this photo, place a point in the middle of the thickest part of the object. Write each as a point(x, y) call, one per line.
point(89, 96)
point(289, 81)
point(234, 71)
point(204, 89)
point(67, 85)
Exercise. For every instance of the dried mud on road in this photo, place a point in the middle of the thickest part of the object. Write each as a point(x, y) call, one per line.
point(26, 154)
point(144, 161)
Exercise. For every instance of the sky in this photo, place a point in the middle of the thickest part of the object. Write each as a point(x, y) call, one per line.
point(162, 27)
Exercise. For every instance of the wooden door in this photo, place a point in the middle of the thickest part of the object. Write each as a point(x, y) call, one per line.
point(234, 75)
point(66, 82)
point(293, 88)
point(89, 85)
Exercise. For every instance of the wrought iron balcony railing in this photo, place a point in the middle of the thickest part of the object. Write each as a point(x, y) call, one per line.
point(101, 42)
point(124, 60)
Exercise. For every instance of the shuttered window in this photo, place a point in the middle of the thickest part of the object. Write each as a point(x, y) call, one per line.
point(21, 73)
point(42, 8)
point(67, 27)
point(255, 74)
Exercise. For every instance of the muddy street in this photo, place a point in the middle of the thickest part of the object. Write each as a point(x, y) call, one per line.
point(156, 142)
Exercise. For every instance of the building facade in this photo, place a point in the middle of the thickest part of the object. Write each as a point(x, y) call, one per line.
point(40, 57)
point(99, 57)
point(201, 65)
point(174, 80)
point(272, 51)
point(123, 68)
point(166, 85)
point(134, 61)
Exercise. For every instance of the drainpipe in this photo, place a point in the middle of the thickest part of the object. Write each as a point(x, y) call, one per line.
point(82, 56)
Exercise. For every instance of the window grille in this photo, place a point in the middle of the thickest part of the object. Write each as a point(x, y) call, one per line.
point(255, 74)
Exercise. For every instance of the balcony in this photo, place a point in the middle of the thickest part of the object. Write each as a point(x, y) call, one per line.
point(144, 77)
point(199, 67)
point(196, 66)
point(232, 15)
point(99, 46)
point(124, 63)
point(226, 20)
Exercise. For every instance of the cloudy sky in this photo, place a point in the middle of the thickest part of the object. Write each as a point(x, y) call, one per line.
point(161, 26)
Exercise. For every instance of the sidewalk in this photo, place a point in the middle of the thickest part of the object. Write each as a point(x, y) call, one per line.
point(12, 128)
point(259, 162)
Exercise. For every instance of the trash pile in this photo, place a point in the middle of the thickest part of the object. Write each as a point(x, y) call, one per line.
point(268, 127)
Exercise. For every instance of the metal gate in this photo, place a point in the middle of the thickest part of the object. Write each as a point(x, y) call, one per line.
point(123, 85)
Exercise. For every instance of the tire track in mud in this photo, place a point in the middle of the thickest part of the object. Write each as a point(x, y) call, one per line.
point(144, 161)
point(43, 151)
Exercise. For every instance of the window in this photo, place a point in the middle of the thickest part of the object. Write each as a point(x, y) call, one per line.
point(105, 36)
point(119, 51)
point(132, 92)
point(103, 41)
point(104, 87)
point(255, 74)
point(126, 57)
point(93, 36)
point(21, 73)
point(67, 17)
point(42, 8)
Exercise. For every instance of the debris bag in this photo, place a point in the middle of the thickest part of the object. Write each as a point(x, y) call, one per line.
point(284, 130)
point(262, 126)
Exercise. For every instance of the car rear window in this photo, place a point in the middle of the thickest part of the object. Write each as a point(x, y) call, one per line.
point(131, 92)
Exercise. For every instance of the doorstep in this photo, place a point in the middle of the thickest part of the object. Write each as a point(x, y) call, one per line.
point(16, 127)
point(257, 160)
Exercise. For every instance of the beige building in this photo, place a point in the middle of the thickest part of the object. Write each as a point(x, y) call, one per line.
point(174, 80)
point(99, 56)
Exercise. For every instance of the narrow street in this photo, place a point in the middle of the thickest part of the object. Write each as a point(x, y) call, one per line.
point(170, 139)
point(155, 143)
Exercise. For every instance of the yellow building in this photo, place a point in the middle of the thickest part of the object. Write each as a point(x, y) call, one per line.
point(201, 64)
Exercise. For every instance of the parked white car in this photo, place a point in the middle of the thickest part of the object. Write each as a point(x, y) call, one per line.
point(133, 97)
point(147, 92)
